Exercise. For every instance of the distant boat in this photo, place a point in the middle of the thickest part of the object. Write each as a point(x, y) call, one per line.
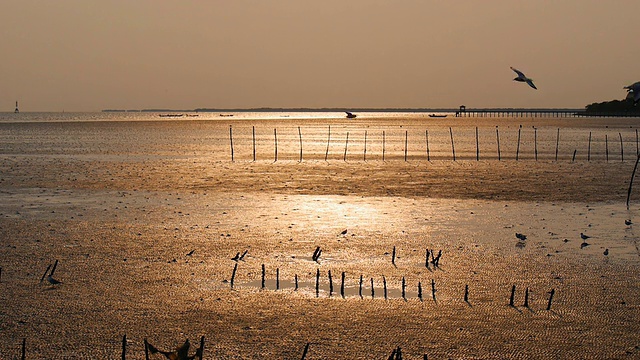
point(226, 115)
point(171, 115)
point(350, 115)
point(438, 115)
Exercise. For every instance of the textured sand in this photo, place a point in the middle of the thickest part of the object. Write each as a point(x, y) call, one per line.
point(120, 205)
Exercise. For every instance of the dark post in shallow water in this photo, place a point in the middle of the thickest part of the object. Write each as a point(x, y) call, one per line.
point(498, 141)
point(372, 289)
point(477, 146)
point(253, 133)
point(277, 278)
point(606, 146)
point(466, 293)
point(383, 144)
point(453, 148)
point(275, 141)
point(295, 278)
point(518, 147)
point(526, 298)
point(633, 175)
point(621, 148)
point(263, 275)
point(300, 136)
point(124, 347)
point(420, 290)
point(342, 285)
point(393, 256)
point(384, 286)
point(346, 144)
point(146, 349)
point(406, 144)
point(360, 288)
point(433, 289)
point(330, 284)
point(553, 291)
point(589, 148)
point(233, 276)
point(426, 136)
point(231, 141)
point(23, 355)
point(317, 282)
point(574, 155)
point(404, 296)
point(326, 154)
point(513, 296)
point(535, 142)
point(364, 156)
point(557, 143)
point(304, 353)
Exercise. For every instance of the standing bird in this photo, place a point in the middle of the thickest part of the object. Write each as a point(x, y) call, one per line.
point(523, 78)
point(634, 91)
point(584, 237)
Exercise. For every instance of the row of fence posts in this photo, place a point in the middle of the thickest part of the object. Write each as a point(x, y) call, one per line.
point(453, 149)
point(384, 287)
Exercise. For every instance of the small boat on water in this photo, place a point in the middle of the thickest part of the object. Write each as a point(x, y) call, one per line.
point(226, 115)
point(350, 115)
point(171, 115)
point(438, 115)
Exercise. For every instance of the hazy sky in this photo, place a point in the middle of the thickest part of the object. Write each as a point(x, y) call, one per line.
point(86, 55)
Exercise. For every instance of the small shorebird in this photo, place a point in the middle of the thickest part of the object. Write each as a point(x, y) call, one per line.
point(584, 237)
point(523, 78)
point(628, 222)
point(521, 236)
point(606, 252)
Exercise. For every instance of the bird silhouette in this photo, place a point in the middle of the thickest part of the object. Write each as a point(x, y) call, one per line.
point(584, 237)
point(584, 245)
point(628, 222)
point(523, 78)
point(606, 252)
point(344, 232)
point(521, 236)
point(191, 252)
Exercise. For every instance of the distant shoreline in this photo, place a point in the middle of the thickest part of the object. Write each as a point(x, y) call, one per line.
point(399, 110)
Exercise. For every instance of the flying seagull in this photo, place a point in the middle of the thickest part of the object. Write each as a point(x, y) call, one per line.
point(634, 89)
point(523, 78)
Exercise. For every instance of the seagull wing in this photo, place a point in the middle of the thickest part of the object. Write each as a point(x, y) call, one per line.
point(531, 84)
point(520, 74)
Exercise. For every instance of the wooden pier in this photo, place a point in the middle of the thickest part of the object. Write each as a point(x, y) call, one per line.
point(534, 113)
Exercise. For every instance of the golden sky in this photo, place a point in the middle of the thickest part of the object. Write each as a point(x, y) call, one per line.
point(86, 55)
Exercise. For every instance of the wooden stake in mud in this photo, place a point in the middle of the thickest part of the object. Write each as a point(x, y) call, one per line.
point(326, 154)
point(384, 143)
point(518, 147)
point(426, 136)
point(420, 290)
point(233, 276)
point(304, 353)
point(606, 146)
point(393, 256)
point(346, 144)
point(295, 278)
point(275, 141)
point(498, 141)
point(433, 289)
point(364, 156)
point(404, 296)
point(477, 146)
point(146, 349)
point(330, 284)
point(277, 278)
point(453, 148)
point(200, 351)
point(124, 347)
point(633, 175)
point(574, 155)
point(342, 285)
point(406, 144)
point(466, 293)
point(231, 141)
point(557, 143)
point(553, 291)
point(526, 298)
point(513, 296)
point(300, 136)
point(360, 288)
point(426, 261)
point(253, 133)
point(637, 143)
point(535, 142)
point(317, 282)
point(621, 148)
point(23, 355)
point(384, 286)
point(263, 276)
point(372, 289)
point(589, 148)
